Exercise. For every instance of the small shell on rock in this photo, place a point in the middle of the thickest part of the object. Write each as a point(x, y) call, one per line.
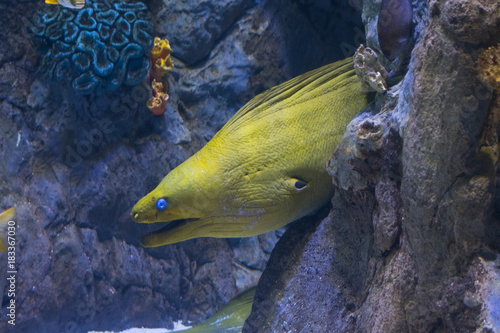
point(369, 70)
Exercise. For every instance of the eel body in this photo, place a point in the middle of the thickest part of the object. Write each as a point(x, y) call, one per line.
point(230, 318)
point(265, 167)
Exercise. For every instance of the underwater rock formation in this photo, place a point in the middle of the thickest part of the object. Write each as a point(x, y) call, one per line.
point(411, 243)
point(200, 26)
point(104, 45)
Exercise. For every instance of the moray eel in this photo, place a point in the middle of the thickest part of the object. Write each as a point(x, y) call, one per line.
point(264, 168)
point(230, 318)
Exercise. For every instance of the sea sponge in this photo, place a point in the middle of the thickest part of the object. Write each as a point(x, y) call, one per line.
point(158, 102)
point(104, 45)
point(161, 63)
point(489, 66)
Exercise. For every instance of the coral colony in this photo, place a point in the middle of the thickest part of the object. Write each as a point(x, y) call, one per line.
point(104, 45)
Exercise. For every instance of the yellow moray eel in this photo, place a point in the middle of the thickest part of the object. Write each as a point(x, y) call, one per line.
point(265, 167)
point(230, 318)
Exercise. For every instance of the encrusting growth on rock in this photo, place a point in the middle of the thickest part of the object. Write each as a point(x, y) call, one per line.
point(489, 66)
point(369, 70)
point(489, 72)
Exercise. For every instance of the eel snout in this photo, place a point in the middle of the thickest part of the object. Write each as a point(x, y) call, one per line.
point(134, 216)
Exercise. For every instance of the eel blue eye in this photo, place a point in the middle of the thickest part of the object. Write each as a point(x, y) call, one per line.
point(161, 204)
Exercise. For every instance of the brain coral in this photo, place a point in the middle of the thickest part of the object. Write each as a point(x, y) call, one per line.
point(104, 45)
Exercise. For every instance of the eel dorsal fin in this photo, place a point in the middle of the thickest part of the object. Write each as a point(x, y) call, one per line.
point(264, 102)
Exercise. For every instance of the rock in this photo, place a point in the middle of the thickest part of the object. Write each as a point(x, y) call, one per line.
point(472, 22)
point(487, 291)
point(301, 288)
point(196, 28)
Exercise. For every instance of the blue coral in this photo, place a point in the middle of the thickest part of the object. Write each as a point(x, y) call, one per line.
point(104, 45)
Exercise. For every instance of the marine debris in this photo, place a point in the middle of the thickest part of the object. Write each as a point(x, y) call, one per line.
point(161, 64)
point(104, 45)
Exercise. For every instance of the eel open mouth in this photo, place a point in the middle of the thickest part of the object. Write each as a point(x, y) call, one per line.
point(166, 234)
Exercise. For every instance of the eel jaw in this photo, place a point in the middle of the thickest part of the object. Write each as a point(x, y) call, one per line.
point(218, 227)
point(169, 234)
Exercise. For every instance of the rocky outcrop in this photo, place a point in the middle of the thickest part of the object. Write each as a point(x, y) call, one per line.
point(411, 242)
